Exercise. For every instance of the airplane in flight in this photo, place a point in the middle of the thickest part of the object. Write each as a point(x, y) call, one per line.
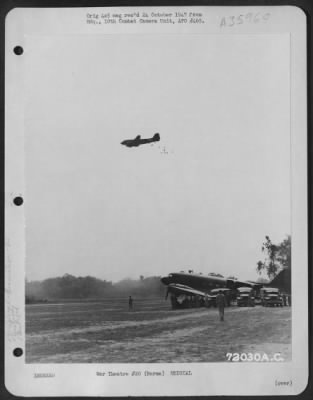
point(181, 285)
point(138, 141)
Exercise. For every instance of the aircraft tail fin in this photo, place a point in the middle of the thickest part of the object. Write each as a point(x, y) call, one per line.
point(282, 280)
point(156, 136)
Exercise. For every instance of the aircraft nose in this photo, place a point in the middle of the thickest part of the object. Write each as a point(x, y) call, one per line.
point(165, 280)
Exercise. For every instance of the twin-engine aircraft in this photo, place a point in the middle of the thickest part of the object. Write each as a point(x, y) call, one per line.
point(138, 141)
point(182, 285)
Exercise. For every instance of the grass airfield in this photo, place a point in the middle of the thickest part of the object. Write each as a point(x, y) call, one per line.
point(104, 331)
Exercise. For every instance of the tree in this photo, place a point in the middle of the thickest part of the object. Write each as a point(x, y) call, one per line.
point(278, 257)
point(284, 253)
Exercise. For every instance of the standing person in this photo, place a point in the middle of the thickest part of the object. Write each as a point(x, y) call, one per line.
point(130, 303)
point(220, 303)
point(206, 300)
point(284, 299)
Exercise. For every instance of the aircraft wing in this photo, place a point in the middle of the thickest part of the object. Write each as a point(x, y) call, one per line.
point(182, 289)
point(256, 283)
point(238, 284)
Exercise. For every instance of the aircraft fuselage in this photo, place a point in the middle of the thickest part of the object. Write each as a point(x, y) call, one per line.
point(138, 141)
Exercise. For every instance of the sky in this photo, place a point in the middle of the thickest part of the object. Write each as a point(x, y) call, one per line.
point(203, 198)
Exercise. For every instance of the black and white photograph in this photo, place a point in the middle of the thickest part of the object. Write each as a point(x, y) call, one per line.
point(158, 225)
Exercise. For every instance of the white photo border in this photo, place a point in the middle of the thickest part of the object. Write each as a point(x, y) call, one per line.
point(206, 378)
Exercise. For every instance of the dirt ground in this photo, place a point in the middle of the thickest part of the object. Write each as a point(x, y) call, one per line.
point(106, 332)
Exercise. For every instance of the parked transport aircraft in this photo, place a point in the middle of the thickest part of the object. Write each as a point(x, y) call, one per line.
point(189, 289)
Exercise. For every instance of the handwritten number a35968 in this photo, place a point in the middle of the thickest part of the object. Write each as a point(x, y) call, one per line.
point(250, 18)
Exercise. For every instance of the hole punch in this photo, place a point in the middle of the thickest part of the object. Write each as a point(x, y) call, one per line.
point(18, 50)
point(17, 352)
point(18, 201)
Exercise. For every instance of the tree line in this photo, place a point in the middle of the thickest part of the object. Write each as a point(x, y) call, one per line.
point(72, 287)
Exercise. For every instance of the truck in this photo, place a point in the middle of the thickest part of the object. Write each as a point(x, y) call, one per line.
point(245, 297)
point(271, 297)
